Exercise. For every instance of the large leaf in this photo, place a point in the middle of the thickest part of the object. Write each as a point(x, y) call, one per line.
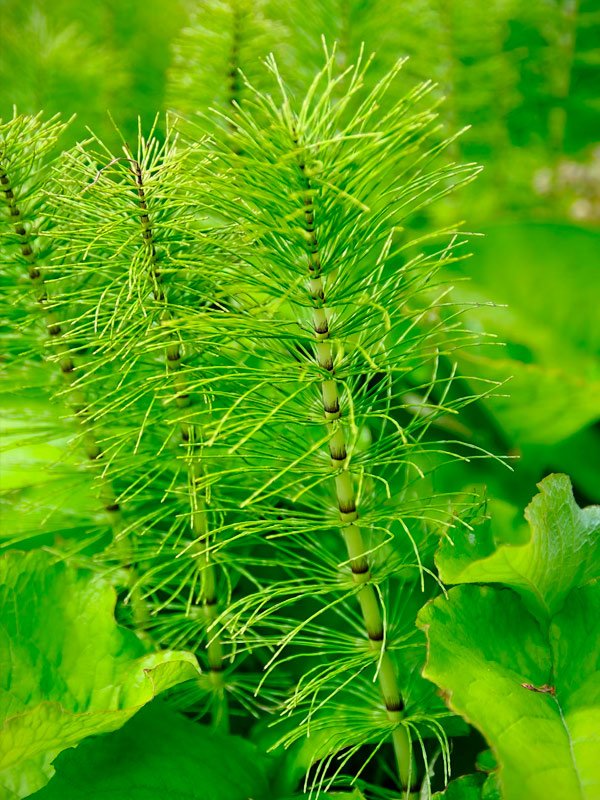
point(470, 787)
point(67, 670)
point(159, 753)
point(561, 552)
point(534, 694)
point(545, 277)
point(45, 490)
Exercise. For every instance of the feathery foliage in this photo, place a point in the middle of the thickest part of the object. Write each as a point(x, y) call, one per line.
point(239, 342)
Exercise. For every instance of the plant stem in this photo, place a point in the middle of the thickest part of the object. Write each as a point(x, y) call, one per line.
point(239, 10)
point(190, 437)
point(77, 399)
point(346, 497)
point(234, 84)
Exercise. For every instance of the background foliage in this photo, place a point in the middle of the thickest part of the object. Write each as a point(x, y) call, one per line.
point(524, 77)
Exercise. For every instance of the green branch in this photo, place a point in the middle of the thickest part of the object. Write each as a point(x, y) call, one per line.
point(191, 437)
point(76, 397)
point(346, 496)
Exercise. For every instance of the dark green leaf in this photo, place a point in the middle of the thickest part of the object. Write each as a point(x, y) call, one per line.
point(159, 753)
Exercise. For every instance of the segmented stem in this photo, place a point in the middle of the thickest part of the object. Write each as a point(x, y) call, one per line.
point(234, 79)
point(77, 399)
point(346, 496)
point(190, 436)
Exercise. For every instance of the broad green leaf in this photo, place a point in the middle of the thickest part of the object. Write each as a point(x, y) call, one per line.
point(545, 277)
point(34, 435)
point(533, 693)
point(68, 671)
point(46, 492)
point(160, 753)
point(468, 787)
point(561, 552)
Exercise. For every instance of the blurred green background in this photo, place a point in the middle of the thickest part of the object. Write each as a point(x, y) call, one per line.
point(523, 75)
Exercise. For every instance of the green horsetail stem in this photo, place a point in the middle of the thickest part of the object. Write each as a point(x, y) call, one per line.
point(234, 80)
point(240, 10)
point(346, 497)
point(76, 397)
point(189, 435)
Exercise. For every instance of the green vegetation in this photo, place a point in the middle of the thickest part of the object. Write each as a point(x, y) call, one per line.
point(271, 413)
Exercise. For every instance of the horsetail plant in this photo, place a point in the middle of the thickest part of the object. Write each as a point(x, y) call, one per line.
point(26, 147)
point(263, 325)
point(217, 53)
point(332, 312)
point(128, 280)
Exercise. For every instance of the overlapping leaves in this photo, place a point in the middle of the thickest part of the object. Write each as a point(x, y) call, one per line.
point(68, 671)
point(522, 663)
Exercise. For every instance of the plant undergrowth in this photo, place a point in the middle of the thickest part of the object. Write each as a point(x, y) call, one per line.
point(238, 344)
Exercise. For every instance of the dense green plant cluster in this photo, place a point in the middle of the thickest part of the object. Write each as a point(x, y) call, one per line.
point(250, 409)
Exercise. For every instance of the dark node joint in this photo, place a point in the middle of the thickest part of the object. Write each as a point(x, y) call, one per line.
point(20, 231)
point(147, 234)
point(394, 705)
point(8, 192)
point(183, 397)
point(322, 328)
point(67, 367)
point(333, 409)
point(54, 330)
point(112, 507)
point(348, 508)
point(375, 636)
point(360, 569)
point(34, 273)
point(210, 601)
point(328, 365)
point(27, 251)
point(185, 435)
point(14, 212)
point(174, 356)
point(217, 668)
point(338, 455)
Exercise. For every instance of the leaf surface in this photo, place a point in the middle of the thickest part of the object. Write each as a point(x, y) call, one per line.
point(68, 670)
point(533, 693)
point(561, 553)
point(544, 278)
point(160, 753)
